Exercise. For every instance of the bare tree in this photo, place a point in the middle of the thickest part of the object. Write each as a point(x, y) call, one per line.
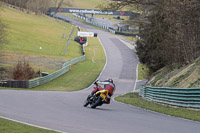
point(59, 5)
point(23, 71)
point(38, 6)
point(56, 2)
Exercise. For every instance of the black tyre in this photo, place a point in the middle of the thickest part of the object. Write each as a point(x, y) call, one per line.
point(86, 103)
point(96, 103)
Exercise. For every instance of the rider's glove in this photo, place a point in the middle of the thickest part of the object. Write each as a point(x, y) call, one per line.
point(96, 83)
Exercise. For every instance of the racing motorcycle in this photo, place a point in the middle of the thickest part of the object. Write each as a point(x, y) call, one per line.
point(97, 99)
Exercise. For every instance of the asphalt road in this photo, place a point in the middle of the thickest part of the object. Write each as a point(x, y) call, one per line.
point(64, 111)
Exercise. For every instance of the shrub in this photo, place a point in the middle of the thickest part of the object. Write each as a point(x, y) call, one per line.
point(23, 71)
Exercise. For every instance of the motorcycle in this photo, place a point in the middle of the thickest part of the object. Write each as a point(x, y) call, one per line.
point(97, 99)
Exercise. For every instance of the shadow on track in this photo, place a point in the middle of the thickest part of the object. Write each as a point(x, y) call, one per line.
point(100, 109)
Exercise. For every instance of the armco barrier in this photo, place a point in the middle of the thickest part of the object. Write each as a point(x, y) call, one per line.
point(182, 97)
point(60, 17)
point(104, 26)
point(42, 80)
point(65, 68)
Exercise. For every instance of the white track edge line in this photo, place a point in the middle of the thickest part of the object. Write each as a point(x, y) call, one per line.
point(31, 124)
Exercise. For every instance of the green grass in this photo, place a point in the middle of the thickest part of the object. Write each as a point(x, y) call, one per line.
point(143, 72)
point(85, 4)
point(135, 100)
point(82, 74)
point(7, 126)
point(27, 33)
point(195, 83)
point(131, 38)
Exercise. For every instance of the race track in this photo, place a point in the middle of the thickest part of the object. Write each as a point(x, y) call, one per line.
point(64, 111)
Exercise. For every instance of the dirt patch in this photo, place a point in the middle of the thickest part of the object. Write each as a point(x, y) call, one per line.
point(38, 62)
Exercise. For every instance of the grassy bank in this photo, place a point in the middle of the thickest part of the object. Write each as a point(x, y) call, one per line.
point(7, 126)
point(82, 74)
point(143, 72)
point(186, 76)
point(38, 40)
point(135, 100)
point(85, 4)
point(36, 34)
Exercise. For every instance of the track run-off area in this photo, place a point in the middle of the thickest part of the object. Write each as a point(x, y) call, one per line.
point(64, 111)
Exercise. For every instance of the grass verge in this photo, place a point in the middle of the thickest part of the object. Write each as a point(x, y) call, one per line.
point(84, 4)
point(7, 126)
point(82, 74)
point(143, 72)
point(135, 100)
point(36, 34)
point(37, 39)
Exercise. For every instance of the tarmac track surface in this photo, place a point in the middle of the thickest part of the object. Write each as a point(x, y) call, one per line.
point(64, 111)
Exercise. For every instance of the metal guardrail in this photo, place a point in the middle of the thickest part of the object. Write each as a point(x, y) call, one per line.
point(182, 97)
point(65, 68)
point(95, 23)
point(92, 21)
point(60, 17)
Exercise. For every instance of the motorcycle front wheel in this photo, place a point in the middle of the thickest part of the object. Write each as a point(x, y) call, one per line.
point(96, 103)
point(86, 103)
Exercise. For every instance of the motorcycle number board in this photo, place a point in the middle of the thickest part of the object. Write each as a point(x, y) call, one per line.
point(86, 34)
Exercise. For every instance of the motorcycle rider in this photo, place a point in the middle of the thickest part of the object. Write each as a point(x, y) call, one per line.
point(108, 85)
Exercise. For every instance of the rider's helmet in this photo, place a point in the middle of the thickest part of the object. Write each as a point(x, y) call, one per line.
point(110, 80)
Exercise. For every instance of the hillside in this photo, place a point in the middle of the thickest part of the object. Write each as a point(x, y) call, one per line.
point(37, 38)
point(84, 4)
point(179, 77)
